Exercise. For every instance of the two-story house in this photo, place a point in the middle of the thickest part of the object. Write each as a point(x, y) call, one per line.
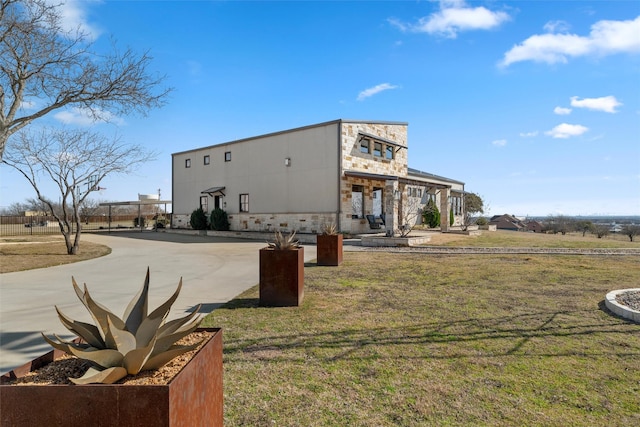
point(301, 179)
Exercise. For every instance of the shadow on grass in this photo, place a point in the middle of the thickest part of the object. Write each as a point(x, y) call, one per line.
point(497, 337)
point(242, 303)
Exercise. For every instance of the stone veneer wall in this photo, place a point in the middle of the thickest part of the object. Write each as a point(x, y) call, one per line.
point(354, 160)
point(285, 222)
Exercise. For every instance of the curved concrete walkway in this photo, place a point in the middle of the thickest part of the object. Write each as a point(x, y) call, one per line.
point(213, 269)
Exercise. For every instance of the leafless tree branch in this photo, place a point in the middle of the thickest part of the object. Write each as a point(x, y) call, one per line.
point(76, 161)
point(41, 61)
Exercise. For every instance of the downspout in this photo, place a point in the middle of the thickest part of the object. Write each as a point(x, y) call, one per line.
point(339, 198)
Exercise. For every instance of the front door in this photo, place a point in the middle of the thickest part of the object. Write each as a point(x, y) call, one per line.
point(217, 204)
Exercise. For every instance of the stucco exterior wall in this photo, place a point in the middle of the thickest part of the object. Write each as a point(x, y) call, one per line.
point(309, 183)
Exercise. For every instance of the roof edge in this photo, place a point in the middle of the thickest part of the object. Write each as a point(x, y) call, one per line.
point(296, 129)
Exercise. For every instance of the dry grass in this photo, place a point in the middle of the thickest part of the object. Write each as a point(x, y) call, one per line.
point(503, 238)
point(29, 252)
point(415, 340)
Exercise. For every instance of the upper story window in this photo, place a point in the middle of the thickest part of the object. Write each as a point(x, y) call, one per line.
point(227, 156)
point(187, 163)
point(364, 146)
point(207, 159)
point(388, 152)
point(377, 149)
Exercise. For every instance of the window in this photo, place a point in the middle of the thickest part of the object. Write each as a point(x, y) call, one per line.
point(364, 146)
point(204, 203)
point(357, 201)
point(244, 203)
point(227, 156)
point(455, 203)
point(377, 149)
point(207, 159)
point(388, 152)
point(187, 163)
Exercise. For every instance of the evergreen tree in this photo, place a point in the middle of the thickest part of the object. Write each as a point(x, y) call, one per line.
point(431, 214)
point(198, 220)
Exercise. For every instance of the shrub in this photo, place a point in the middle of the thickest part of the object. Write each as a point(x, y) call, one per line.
point(482, 221)
point(219, 220)
point(198, 220)
point(451, 217)
point(431, 214)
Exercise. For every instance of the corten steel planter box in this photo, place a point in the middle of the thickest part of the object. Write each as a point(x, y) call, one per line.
point(192, 398)
point(329, 249)
point(281, 277)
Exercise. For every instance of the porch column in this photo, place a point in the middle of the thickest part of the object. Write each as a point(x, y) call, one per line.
point(444, 209)
point(390, 206)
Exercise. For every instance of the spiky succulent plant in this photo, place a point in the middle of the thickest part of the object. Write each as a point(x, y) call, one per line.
point(120, 347)
point(282, 242)
point(330, 229)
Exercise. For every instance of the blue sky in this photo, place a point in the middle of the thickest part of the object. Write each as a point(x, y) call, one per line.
point(535, 105)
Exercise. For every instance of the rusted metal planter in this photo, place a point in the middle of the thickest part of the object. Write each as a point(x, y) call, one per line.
point(281, 277)
point(329, 249)
point(192, 398)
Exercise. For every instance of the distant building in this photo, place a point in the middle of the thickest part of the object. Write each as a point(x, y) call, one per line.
point(534, 226)
point(507, 222)
point(344, 172)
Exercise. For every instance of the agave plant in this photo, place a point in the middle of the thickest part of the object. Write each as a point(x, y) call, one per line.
point(125, 346)
point(330, 229)
point(282, 242)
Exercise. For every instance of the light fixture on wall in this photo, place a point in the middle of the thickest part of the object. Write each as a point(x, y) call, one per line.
point(287, 161)
point(396, 194)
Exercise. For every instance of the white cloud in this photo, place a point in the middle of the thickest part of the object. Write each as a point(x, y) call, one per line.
point(529, 134)
point(556, 27)
point(27, 105)
point(605, 38)
point(562, 111)
point(84, 117)
point(566, 130)
point(454, 17)
point(607, 104)
point(375, 90)
point(74, 16)
point(499, 142)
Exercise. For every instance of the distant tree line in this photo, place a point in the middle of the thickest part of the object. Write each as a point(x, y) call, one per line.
point(564, 224)
point(88, 208)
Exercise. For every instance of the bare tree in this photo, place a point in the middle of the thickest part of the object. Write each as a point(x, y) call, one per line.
point(600, 230)
point(89, 208)
point(631, 231)
point(15, 209)
point(559, 224)
point(410, 211)
point(76, 161)
point(473, 205)
point(44, 65)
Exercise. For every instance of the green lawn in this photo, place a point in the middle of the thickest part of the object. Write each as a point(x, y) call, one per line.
point(414, 340)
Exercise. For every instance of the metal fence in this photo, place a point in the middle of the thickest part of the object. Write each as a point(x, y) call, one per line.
point(39, 225)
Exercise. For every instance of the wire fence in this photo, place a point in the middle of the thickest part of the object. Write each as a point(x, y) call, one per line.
point(41, 225)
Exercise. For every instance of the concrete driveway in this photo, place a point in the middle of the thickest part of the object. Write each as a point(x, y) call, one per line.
point(213, 269)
